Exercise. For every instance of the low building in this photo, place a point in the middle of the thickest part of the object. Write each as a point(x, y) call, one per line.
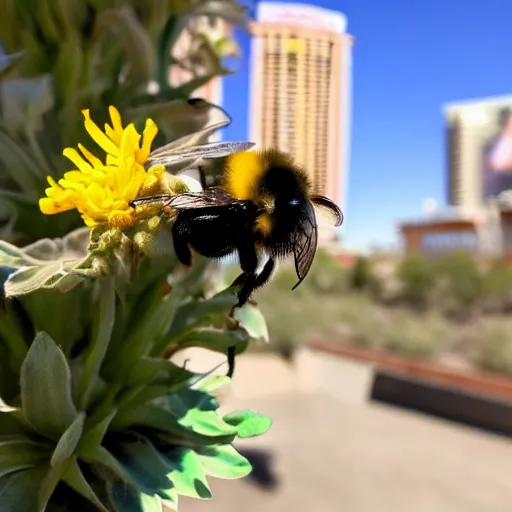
point(485, 232)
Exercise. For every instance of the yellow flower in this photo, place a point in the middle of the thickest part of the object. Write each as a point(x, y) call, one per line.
point(99, 190)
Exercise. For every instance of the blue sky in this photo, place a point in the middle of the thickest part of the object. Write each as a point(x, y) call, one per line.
point(409, 59)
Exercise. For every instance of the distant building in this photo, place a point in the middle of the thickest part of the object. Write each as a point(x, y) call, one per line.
point(479, 168)
point(485, 232)
point(300, 92)
point(478, 150)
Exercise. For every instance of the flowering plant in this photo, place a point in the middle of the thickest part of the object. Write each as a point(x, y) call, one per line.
point(93, 413)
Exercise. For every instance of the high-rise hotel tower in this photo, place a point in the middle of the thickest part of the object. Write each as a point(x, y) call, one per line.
point(300, 92)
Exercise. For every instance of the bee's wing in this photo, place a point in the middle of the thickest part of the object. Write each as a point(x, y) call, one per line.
point(189, 155)
point(331, 206)
point(305, 243)
point(210, 197)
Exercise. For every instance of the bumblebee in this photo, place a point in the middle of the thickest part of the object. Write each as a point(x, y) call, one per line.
point(264, 210)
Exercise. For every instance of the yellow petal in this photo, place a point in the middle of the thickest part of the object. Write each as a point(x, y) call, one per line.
point(47, 206)
point(148, 136)
point(115, 117)
point(98, 136)
point(93, 160)
point(52, 182)
point(111, 134)
point(76, 176)
point(129, 142)
point(89, 221)
point(79, 188)
point(112, 160)
point(75, 157)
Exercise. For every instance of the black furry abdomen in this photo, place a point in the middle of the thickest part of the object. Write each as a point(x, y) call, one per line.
point(215, 231)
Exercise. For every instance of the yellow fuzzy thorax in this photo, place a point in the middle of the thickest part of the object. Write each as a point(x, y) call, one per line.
point(244, 169)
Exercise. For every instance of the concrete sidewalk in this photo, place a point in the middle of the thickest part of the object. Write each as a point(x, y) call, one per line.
point(331, 449)
point(327, 456)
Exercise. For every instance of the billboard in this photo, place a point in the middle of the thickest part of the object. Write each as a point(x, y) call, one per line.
point(481, 150)
point(497, 154)
point(302, 14)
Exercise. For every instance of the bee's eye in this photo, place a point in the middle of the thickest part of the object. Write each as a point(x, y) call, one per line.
point(293, 202)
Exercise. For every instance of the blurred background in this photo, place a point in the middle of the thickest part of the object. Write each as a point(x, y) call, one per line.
point(388, 371)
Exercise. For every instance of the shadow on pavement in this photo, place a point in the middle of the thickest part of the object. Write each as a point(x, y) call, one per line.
point(263, 474)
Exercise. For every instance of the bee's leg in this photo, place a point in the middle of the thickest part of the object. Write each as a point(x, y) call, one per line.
point(180, 236)
point(263, 277)
point(249, 263)
point(265, 274)
point(231, 362)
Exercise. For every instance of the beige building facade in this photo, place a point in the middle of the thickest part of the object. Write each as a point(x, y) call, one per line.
point(300, 92)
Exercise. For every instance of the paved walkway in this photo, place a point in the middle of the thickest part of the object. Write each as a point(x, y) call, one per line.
point(329, 456)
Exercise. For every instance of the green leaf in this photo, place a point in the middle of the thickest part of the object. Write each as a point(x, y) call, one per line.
point(158, 418)
point(166, 40)
point(144, 464)
point(211, 311)
point(216, 340)
point(93, 438)
point(58, 275)
point(19, 454)
point(125, 498)
point(69, 441)
point(213, 382)
point(151, 503)
point(16, 163)
point(187, 473)
point(24, 101)
point(47, 308)
point(159, 371)
point(197, 411)
point(13, 340)
point(103, 324)
point(124, 25)
point(19, 491)
point(207, 423)
point(188, 399)
point(153, 315)
point(49, 484)
point(46, 388)
point(9, 425)
point(253, 321)
point(106, 459)
point(248, 423)
point(224, 462)
point(76, 480)
point(73, 245)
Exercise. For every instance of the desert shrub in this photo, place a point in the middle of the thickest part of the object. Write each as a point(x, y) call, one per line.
point(497, 288)
point(361, 320)
point(294, 318)
point(461, 283)
point(360, 274)
point(416, 335)
point(326, 274)
point(417, 277)
point(494, 352)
